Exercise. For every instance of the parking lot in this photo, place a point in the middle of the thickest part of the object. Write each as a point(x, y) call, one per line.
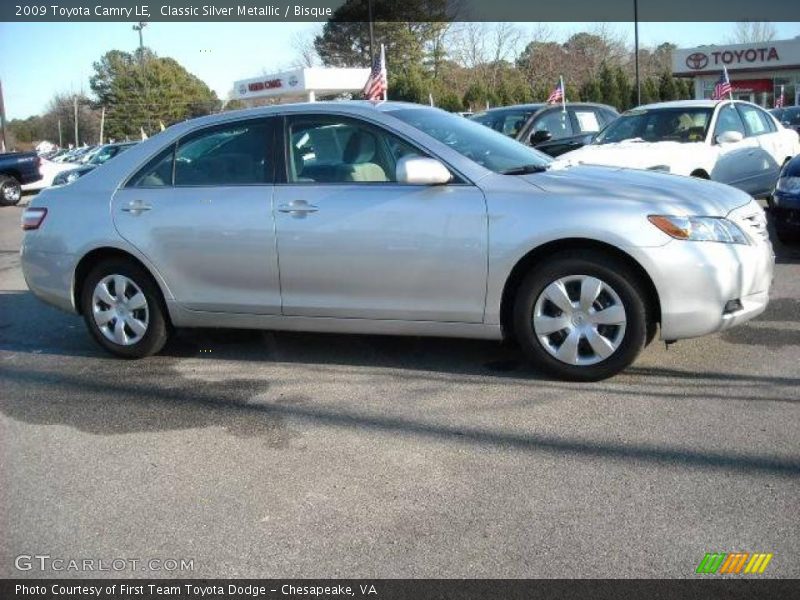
point(260, 454)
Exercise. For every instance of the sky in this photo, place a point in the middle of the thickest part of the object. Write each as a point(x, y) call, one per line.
point(39, 59)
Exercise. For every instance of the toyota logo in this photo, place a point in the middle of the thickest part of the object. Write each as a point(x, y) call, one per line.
point(696, 61)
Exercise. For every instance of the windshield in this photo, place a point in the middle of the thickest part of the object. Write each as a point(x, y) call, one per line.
point(106, 153)
point(790, 116)
point(480, 144)
point(659, 125)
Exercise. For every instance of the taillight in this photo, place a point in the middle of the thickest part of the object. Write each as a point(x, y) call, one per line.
point(32, 218)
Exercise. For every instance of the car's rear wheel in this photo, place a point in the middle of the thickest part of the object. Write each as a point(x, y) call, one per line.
point(787, 234)
point(581, 317)
point(123, 309)
point(10, 191)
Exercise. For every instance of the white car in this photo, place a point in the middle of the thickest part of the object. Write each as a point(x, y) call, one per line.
point(49, 170)
point(732, 142)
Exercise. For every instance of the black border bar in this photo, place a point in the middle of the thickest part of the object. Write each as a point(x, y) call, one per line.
point(397, 10)
point(741, 588)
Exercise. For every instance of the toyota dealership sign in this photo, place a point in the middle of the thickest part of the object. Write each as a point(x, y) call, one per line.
point(767, 55)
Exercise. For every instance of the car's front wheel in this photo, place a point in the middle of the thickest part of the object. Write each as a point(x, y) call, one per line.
point(581, 317)
point(10, 191)
point(123, 310)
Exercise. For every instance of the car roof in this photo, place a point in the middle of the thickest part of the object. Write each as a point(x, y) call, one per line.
point(363, 108)
point(686, 104)
point(540, 105)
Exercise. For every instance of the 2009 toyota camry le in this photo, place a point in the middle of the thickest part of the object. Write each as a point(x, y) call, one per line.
point(393, 219)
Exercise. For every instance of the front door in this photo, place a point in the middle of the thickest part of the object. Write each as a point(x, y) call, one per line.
point(355, 243)
point(735, 160)
point(201, 213)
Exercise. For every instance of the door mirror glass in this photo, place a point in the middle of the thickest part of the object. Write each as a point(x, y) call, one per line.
point(539, 136)
point(729, 137)
point(420, 170)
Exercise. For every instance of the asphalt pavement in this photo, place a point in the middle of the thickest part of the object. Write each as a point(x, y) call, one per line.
point(260, 454)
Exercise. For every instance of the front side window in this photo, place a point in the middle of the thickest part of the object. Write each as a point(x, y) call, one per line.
point(480, 144)
point(729, 120)
point(338, 150)
point(554, 122)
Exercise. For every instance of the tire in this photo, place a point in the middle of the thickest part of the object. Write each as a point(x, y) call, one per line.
point(619, 340)
point(787, 235)
point(10, 191)
point(143, 328)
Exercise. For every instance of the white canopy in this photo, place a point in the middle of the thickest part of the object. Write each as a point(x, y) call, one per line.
point(299, 84)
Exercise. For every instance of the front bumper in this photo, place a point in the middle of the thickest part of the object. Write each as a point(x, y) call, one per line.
point(695, 281)
point(786, 210)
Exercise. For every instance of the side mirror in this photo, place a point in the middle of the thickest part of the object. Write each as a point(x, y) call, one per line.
point(539, 136)
point(420, 170)
point(729, 137)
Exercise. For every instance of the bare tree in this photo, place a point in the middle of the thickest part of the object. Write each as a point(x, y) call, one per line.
point(306, 55)
point(752, 32)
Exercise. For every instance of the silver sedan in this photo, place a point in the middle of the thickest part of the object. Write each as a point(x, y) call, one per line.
point(393, 219)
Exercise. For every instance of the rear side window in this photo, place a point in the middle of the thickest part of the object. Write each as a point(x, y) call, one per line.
point(232, 154)
point(235, 154)
point(755, 120)
point(588, 120)
point(157, 172)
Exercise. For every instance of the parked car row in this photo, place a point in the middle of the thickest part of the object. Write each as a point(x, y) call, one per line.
point(59, 167)
point(393, 218)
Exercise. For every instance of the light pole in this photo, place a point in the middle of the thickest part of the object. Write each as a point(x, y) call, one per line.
point(139, 27)
point(636, 50)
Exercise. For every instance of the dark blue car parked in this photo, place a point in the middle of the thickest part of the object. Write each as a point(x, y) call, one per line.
point(786, 202)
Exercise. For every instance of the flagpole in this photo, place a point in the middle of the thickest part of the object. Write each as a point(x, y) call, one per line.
point(563, 96)
point(383, 64)
point(728, 79)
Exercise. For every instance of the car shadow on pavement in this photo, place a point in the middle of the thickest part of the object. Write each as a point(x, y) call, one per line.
point(121, 404)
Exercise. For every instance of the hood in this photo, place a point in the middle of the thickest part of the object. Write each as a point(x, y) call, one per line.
point(661, 192)
point(632, 154)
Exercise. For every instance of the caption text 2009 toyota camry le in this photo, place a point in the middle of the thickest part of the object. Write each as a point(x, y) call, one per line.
point(393, 219)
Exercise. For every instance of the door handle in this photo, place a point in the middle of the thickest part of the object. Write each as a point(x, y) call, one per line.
point(297, 208)
point(136, 207)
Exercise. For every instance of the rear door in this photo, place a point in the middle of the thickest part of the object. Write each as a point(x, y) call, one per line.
point(201, 212)
point(770, 159)
point(737, 163)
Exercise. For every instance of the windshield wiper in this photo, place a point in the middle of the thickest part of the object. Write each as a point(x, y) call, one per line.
point(525, 170)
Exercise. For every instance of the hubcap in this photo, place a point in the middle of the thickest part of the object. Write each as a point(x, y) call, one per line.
point(11, 192)
point(120, 310)
point(579, 319)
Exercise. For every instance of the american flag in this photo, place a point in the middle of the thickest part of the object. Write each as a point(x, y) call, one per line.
point(722, 87)
point(557, 95)
point(376, 86)
point(779, 99)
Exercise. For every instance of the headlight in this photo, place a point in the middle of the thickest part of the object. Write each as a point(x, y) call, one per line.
point(700, 229)
point(789, 184)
